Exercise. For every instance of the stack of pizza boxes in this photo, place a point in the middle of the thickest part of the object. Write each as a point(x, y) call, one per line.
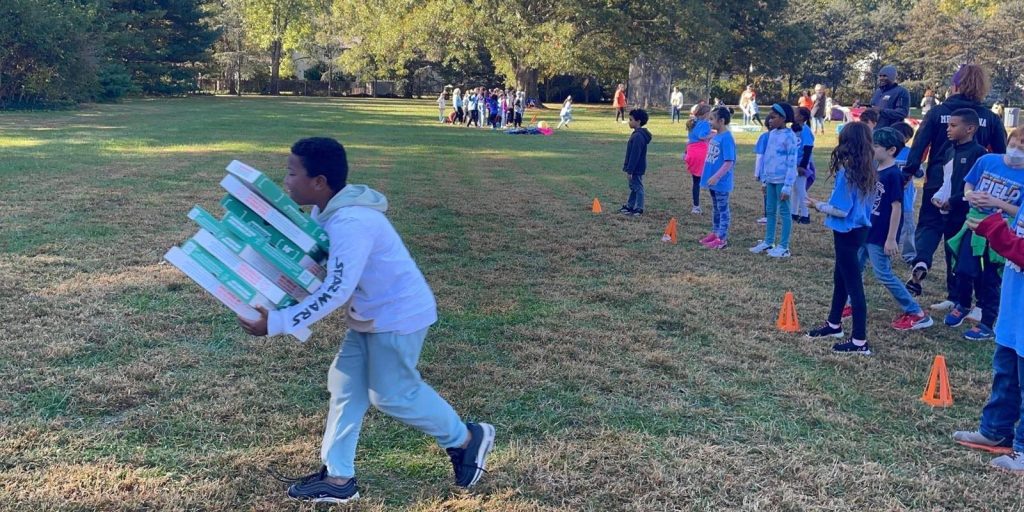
point(263, 251)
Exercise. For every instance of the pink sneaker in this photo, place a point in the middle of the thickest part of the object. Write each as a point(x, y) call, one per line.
point(717, 243)
point(706, 240)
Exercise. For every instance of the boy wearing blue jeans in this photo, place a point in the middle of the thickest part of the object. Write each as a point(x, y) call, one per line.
point(389, 307)
point(1002, 429)
point(635, 164)
point(883, 235)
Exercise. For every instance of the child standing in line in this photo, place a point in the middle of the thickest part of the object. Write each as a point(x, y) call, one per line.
point(948, 198)
point(520, 104)
point(907, 249)
point(389, 308)
point(996, 182)
point(457, 102)
point(759, 148)
point(566, 113)
point(778, 177)
point(492, 106)
point(635, 164)
point(1002, 419)
point(717, 178)
point(474, 115)
point(805, 168)
point(440, 107)
point(698, 134)
point(481, 107)
point(848, 215)
point(883, 236)
point(510, 107)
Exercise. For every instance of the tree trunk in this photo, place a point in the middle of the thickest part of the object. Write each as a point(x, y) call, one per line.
point(275, 67)
point(650, 81)
point(526, 80)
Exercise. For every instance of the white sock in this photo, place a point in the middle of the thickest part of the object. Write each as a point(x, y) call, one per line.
point(834, 326)
point(859, 343)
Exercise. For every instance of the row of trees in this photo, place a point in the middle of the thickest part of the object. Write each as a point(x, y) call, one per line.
point(67, 51)
point(77, 50)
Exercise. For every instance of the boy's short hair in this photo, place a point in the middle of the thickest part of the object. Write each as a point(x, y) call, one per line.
point(869, 116)
point(888, 138)
point(904, 129)
point(722, 113)
point(323, 156)
point(640, 115)
point(967, 115)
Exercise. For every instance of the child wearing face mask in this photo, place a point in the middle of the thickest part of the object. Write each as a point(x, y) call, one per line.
point(995, 184)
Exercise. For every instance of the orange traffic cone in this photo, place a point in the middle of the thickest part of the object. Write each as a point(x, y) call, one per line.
point(596, 207)
point(938, 393)
point(788, 321)
point(670, 231)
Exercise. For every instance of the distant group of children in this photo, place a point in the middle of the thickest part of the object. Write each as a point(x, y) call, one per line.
point(496, 108)
point(870, 209)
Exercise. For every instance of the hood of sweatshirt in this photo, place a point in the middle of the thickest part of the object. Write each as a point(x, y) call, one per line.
point(644, 133)
point(354, 195)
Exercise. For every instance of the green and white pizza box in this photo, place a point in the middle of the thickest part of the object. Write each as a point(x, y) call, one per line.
point(274, 238)
point(253, 277)
point(227, 294)
point(207, 221)
point(257, 238)
point(279, 199)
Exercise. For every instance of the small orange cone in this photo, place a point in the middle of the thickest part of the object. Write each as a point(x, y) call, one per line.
point(596, 207)
point(938, 394)
point(788, 321)
point(533, 120)
point(670, 231)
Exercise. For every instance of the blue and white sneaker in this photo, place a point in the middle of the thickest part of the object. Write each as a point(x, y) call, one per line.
point(979, 332)
point(316, 489)
point(470, 463)
point(849, 347)
point(956, 316)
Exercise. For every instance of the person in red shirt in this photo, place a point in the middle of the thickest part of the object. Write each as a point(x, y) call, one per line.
point(805, 100)
point(620, 103)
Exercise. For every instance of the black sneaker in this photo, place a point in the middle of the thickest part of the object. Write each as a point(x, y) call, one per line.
point(826, 331)
point(636, 213)
point(625, 209)
point(805, 219)
point(849, 347)
point(316, 489)
point(470, 462)
point(914, 287)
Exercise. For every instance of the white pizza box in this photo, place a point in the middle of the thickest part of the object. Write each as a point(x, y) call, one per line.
point(251, 256)
point(255, 230)
point(247, 272)
point(275, 218)
point(221, 291)
point(273, 194)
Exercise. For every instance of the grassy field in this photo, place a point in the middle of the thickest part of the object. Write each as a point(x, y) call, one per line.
point(622, 373)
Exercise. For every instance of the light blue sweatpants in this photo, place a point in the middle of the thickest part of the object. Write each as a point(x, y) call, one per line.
point(380, 369)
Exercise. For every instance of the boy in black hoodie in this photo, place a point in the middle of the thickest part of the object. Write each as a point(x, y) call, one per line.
point(970, 85)
point(635, 164)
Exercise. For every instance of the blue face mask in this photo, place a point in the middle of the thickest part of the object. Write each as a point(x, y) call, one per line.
point(1015, 157)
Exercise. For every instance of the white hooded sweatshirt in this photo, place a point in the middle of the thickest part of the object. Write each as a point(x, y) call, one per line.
point(369, 271)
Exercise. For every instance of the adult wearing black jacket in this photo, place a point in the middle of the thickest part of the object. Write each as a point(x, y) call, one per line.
point(891, 100)
point(970, 85)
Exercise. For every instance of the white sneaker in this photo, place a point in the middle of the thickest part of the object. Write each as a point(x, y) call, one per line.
point(696, 210)
point(762, 220)
point(779, 252)
point(761, 246)
point(943, 306)
point(974, 315)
